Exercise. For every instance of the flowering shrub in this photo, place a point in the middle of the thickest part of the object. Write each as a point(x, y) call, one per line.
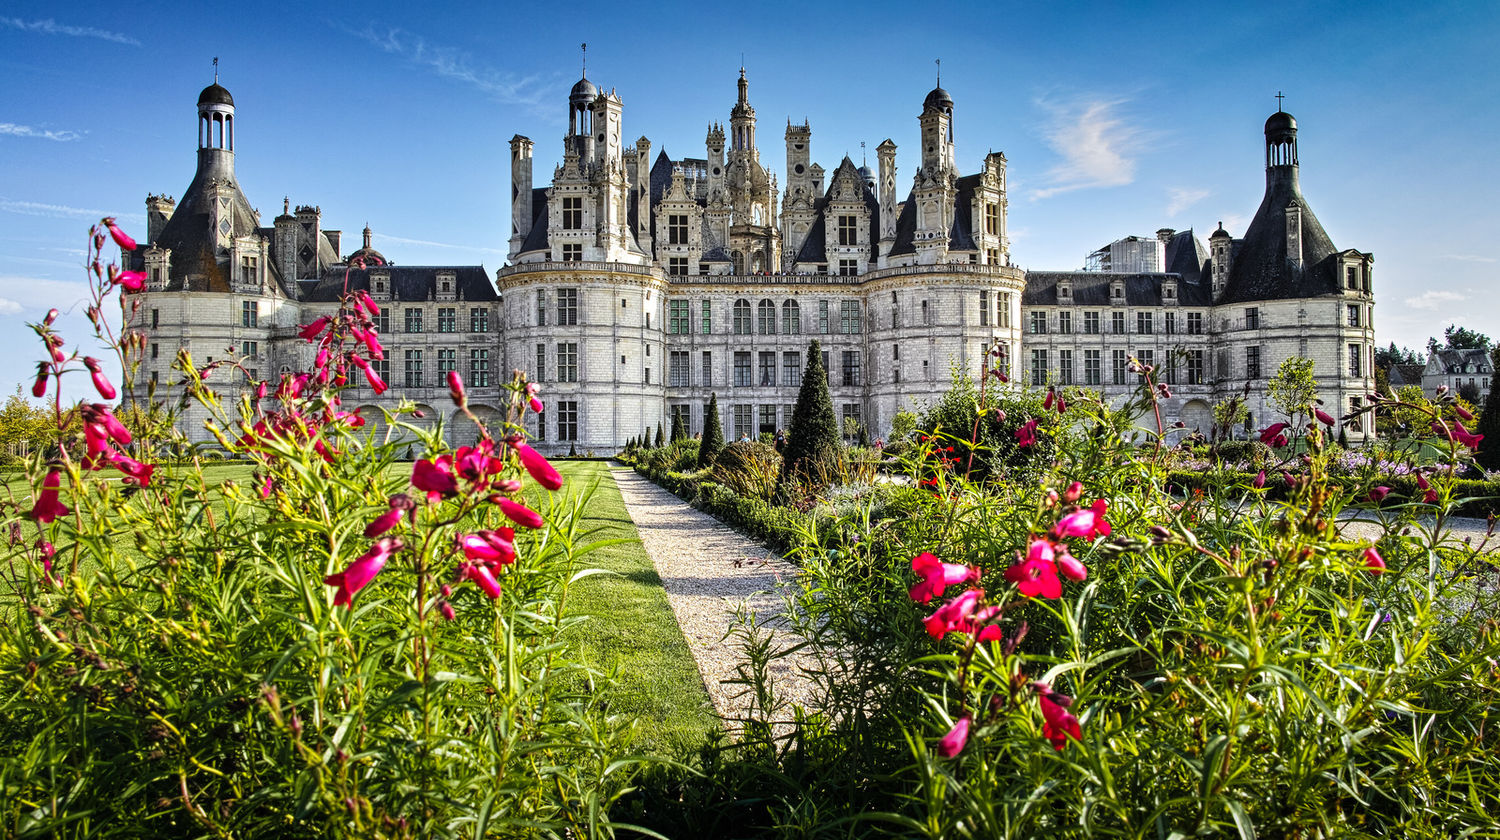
point(330, 646)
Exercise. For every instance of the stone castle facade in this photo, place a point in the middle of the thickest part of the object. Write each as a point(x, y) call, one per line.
point(638, 285)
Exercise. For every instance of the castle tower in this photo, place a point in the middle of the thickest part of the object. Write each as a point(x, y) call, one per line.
point(935, 187)
point(1220, 244)
point(580, 139)
point(216, 132)
point(886, 152)
point(742, 121)
point(797, 213)
point(521, 210)
point(158, 212)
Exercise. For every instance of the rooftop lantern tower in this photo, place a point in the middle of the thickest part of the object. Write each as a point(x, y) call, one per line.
point(216, 130)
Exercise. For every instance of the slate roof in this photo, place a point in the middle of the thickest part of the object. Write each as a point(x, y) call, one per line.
point(906, 228)
point(1092, 288)
point(1261, 270)
point(1459, 361)
point(1187, 257)
point(1405, 375)
point(536, 238)
point(408, 283)
point(815, 247)
point(187, 235)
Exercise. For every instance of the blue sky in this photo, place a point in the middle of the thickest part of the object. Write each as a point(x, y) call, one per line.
point(1116, 120)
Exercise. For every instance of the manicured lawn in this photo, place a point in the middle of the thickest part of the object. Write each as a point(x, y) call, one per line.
point(633, 634)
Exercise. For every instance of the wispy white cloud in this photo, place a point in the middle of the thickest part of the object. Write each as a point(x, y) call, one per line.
point(9, 307)
point(52, 27)
point(1180, 199)
point(454, 64)
point(1432, 300)
point(401, 240)
point(1097, 145)
point(1477, 258)
point(55, 211)
point(39, 293)
point(14, 130)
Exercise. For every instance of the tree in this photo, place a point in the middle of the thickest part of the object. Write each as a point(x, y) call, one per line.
point(1293, 388)
point(660, 440)
point(679, 431)
point(813, 440)
point(1463, 338)
point(1488, 453)
point(1469, 392)
point(713, 435)
point(24, 426)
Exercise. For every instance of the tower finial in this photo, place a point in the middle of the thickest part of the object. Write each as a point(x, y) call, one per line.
point(585, 48)
point(286, 205)
point(939, 62)
point(216, 69)
point(864, 159)
point(1278, 100)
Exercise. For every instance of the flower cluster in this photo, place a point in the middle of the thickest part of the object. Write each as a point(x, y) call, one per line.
point(1035, 574)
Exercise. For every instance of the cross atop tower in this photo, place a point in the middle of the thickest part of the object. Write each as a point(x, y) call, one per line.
point(1278, 100)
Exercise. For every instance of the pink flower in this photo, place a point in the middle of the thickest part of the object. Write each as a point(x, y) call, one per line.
point(1051, 396)
point(1324, 417)
point(131, 281)
point(519, 513)
point(121, 237)
point(488, 546)
point(382, 523)
point(482, 577)
point(376, 383)
point(531, 391)
point(1462, 412)
point(48, 507)
point(541, 471)
point(446, 609)
point(1379, 493)
point(435, 478)
point(937, 576)
point(1073, 493)
point(456, 388)
point(362, 570)
point(1058, 723)
point(362, 299)
point(266, 487)
point(1273, 433)
point(39, 388)
point(1070, 566)
point(133, 468)
point(1037, 574)
point(312, 330)
point(1260, 480)
point(953, 615)
point(101, 383)
point(953, 743)
point(1374, 563)
point(1088, 522)
point(1026, 435)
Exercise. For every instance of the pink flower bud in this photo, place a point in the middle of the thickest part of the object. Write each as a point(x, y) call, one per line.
point(541, 471)
point(312, 330)
point(39, 388)
point(1379, 493)
point(101, 382)
point(1462, 412)
point(1374, 563)
point(1324, 417)
point(1260, 480)
point(1072, 494)
point(131, 281)
point(456, 389)
point(953, 743)
point(121, 237)
point(51, 316)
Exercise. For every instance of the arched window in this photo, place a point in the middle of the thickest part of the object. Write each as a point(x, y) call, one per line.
point(765, 313)
point(791, 317)
point(742, 317)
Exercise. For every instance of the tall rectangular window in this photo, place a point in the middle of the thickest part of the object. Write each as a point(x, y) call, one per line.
point(383, 320)
point(791, 317)
point(156, 319)
point(791, 369)
point(1354, 360)
point(447, 320)
point(851, 368)
point(1038, 322)
point(567, 361)
point(382, 368)
point(742, 418)
point(567, 307)
point(248, 274)
point(1091, 323)
point(447, 362)
point(742, 378)
point(677, 266)
point(1119, 365)
point(479, 368)
point(1353, 313)
point(249, 314)
point(1252, 318)
point(1117, 323)
point(572, 212)
point(1002, 310)
point(539, 374)
point(677, 229)
point(992, 219)
point(852, 419)
point(765, 317)
point(1144, 323)
point(1091, 372)
point(677, 369)
point(1146, 356)
point(767, 419)
point(708, 317)
point(1252, 362)
point(541, 308)
point(413, 320)
point(850, 322)
point(707, 371)
point(767, 367)
point(823, 317)
point(742, 323)
point(567, 420)
point(1065, 323)
point(1195, 367)
point(1195, 323)
point(679, 317)
point(1039, 367)
point(1171, 323)
point(926, 313)
point(848, 230)
point(848, 268)
point(1065, 367)
point(413, 368)
point(984, 309)
point(249, 348)
point(479, 320)
point(572, 252)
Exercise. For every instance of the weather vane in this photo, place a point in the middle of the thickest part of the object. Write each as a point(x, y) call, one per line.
point(585, 47)
point(939, 62)
point(216, 69)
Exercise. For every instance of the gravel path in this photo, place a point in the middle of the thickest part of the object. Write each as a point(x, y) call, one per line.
point(709, 571)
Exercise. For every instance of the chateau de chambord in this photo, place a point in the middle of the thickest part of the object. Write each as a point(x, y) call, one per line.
point(638, 284)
